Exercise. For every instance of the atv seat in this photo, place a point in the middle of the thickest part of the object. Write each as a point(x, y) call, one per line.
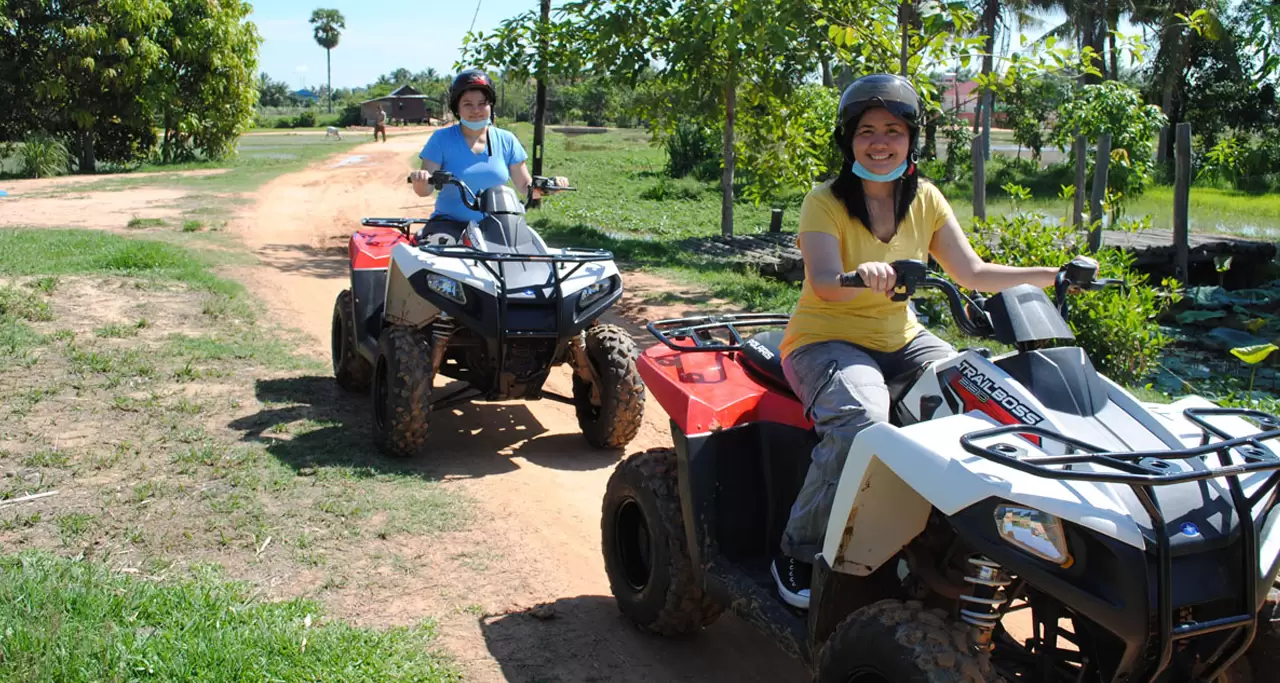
point(763, 359)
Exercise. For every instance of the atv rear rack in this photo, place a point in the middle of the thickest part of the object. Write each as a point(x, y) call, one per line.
point(698, 330)
point(1142, 471)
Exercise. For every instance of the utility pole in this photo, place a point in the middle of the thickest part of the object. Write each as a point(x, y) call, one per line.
point(540, 107)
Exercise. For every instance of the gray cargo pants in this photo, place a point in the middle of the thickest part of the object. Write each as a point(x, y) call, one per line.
point(843, 390)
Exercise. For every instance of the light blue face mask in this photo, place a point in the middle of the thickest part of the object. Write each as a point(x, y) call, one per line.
point(867, 174)
point(475, 125)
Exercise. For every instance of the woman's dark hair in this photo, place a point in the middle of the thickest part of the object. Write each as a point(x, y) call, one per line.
point(847, 187)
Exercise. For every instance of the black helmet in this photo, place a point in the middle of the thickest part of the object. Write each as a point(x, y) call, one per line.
point(471, 79)
point(894, 93)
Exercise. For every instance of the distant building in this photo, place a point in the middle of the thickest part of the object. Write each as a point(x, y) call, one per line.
point(962, 98)
point(305, 94)
point(404, 105)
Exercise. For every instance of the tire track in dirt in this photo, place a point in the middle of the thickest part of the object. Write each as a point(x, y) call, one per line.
point(521, 595)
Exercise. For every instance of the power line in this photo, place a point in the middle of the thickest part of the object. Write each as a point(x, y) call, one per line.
point(473, 17)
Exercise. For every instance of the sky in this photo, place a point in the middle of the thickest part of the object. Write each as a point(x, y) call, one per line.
point(384, 35)
point(381, 36)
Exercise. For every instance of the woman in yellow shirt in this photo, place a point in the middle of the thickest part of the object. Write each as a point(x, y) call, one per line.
point(842, 342)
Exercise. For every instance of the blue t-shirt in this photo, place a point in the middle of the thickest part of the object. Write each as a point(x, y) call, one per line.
point(480, 172)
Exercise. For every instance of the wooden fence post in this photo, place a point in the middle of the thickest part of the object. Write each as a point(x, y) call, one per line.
point(979, 180)
point(1181, 203)
point(1101, 162)
point(775, 221)
point(1162, 145)
point(1082, 163)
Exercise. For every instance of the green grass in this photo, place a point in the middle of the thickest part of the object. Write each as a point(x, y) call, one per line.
point(136, 223)
point(76, 621)
point(259, 158)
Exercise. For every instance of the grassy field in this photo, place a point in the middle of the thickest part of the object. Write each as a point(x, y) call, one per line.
point(186, 448)
point(74, 621)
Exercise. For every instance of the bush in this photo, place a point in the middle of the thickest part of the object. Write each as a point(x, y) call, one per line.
point(692, 149)
point(43, 156)
point(306, 119)
point(1117, 327)
point(675, 189)
point(350, 116)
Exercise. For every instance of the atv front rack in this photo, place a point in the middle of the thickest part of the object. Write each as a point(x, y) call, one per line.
point(577, 256)
point(697, 331)
point(1142, 471)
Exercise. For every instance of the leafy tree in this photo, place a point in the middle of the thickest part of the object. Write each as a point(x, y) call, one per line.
point(205, 89)
point(1112, 107)
point(328, 24)
point(78, 69)
point(272, 93)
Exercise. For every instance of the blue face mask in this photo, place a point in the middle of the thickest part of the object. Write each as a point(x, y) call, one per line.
point(866, 174)
point(474, 125)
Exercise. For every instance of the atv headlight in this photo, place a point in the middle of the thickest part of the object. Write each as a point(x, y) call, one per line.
point(1035, 532)
point(447, 287)
point(593, 292)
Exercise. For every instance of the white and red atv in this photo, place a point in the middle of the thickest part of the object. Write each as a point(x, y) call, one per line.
point(487, 303)
point(1022, 518)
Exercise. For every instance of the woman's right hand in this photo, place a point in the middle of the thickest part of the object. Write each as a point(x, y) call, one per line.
point(421, 180)
point(878, 277)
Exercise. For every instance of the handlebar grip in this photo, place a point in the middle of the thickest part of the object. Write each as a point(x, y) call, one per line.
point(851, 280)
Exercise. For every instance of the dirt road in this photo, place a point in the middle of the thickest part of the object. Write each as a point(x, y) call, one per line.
point(535, 540)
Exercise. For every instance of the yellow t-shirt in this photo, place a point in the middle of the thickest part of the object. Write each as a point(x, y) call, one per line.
point(871, 321)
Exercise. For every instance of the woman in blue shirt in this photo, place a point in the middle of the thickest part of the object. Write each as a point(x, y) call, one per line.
point(475, 151)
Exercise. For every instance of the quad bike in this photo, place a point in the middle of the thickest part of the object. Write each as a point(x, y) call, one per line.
point(1133, 541)
point(487, 303)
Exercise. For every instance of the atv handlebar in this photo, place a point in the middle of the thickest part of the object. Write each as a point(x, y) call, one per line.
point(1081, 273)
point(912, 275)
point(970, 315)
point(472, 201)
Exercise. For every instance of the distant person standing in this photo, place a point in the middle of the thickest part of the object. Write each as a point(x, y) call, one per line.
point(380, 126)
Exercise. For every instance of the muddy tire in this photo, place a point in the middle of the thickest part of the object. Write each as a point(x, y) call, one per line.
point(613, 423)
point(646, 554)
point(901, 642)
point(351, 369)
point(402, 391)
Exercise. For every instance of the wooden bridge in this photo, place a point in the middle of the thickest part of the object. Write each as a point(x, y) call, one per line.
point(775, 254)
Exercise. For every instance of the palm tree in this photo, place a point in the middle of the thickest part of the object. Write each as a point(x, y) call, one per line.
point(327, 23)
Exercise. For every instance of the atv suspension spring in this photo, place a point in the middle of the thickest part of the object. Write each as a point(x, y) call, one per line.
point(989, 581)
point(440, 333)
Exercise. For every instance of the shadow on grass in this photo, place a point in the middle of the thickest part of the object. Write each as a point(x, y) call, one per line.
point(309, 422)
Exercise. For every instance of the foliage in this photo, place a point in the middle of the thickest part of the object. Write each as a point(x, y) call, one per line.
point(104, 76)
point(205, 89)
point(1027, 105)
point(273, 93)
point(80, 67)
point(1116, 327)
point(692, 148)
point(43, 156)
point(351, 115)
point(328, 25)
point(1112, 107)
point(789, 145)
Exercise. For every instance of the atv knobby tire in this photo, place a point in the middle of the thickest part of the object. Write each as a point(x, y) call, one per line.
point(402, 391)
point(646, 554)
point(351, 369)
point(901, 642)
point(614, 423)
